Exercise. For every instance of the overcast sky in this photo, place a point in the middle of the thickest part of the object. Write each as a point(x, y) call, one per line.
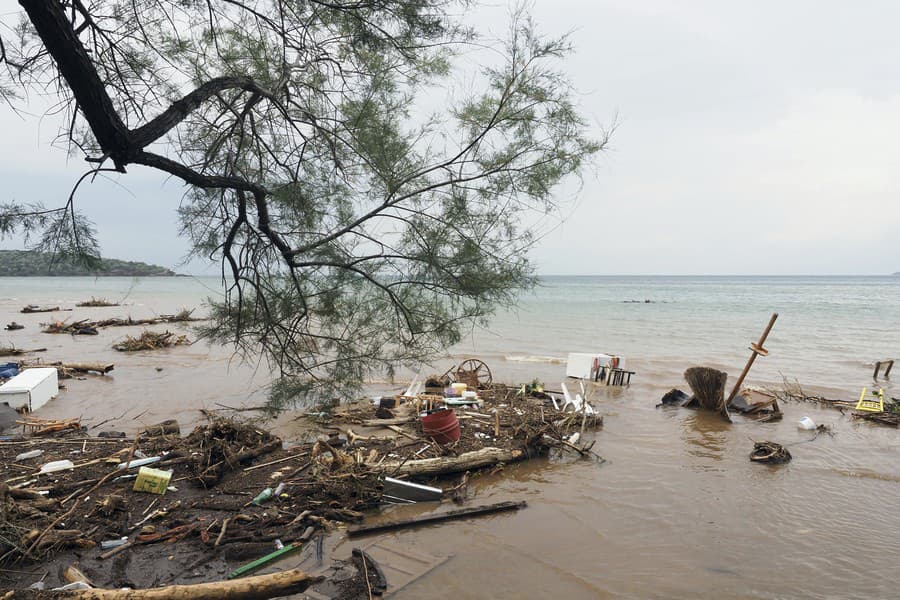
point(753, 138)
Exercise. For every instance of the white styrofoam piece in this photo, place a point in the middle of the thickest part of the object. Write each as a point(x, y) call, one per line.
point(31, 389)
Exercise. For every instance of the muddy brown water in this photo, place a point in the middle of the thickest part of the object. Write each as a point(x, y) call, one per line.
point(676, 511)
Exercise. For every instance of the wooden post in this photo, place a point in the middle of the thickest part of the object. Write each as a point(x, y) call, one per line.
point(757, 349)
point(887, 372)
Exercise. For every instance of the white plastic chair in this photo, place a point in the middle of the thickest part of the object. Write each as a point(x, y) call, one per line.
point(578, 403)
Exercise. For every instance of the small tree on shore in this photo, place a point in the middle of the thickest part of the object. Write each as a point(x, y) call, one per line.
point(355, 234)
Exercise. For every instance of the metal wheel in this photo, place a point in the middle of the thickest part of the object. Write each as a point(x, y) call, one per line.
point(475, 374)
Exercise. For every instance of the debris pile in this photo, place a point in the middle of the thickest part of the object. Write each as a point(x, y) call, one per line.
point(151, 340)
point(88, 327)
point(96, 303)
point(769, 452)
point(228, 490)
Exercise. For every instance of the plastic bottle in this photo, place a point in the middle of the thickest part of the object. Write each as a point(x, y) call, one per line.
point(57, 465)
point(264, 495)
point(29, 454)
point(278, 489)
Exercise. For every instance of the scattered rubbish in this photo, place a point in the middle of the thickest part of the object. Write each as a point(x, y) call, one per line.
point(107, 544)
point(399, 491)
point(56, 465)
point(13, 326)
point(28, 455)
point(807, 424)
point(30, 389)
point(154, 481)
point(449, 515)
point(594, 367)
point(769, 452)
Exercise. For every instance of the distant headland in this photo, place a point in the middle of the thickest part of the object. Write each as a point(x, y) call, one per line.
point(25, 263)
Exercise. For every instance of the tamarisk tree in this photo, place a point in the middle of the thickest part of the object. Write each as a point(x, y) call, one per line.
point(358, 226)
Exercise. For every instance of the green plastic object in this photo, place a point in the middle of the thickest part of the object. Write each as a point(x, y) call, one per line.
point(264, 495)
point(259, 562)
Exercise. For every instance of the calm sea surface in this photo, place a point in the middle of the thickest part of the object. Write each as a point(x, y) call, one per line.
point(677, 511)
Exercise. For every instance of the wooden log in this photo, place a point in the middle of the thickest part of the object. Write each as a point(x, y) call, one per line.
point(449, 515)
point(475, 459)
point(386, 422)
point(101, 368)
point(167, 427)
point(259, 587)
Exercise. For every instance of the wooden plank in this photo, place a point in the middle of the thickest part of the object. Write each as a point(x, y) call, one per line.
point(449, 515)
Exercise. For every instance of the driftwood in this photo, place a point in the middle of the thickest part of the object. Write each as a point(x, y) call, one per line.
point(167, 427)
point(33, 308)
point(18, 351)
point(151, 340)
point(449, 515)
point(386, 422)
point(454, 464)
point(259, 587)
point(96, 303)
point(66, 370)
point(85, 324)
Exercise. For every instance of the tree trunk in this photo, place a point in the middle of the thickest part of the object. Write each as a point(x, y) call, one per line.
point(454, 464)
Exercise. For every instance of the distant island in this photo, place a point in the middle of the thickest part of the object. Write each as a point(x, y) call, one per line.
point(24, 263)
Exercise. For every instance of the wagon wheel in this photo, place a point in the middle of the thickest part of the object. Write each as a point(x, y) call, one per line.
point(475, 374)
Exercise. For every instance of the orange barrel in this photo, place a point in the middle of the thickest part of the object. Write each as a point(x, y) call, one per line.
point(441, 426)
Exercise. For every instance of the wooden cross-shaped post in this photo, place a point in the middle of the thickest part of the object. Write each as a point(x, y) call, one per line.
point(757, 350)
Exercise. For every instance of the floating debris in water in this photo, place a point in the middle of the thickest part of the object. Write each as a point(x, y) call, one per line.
point(770, 452)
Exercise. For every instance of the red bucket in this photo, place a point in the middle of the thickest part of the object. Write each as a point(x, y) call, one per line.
point(441, 426)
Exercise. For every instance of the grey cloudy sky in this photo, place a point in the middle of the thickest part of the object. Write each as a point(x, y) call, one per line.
point(753, 138)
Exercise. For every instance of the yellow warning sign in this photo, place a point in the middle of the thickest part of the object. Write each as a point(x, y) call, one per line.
point(873, 403)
